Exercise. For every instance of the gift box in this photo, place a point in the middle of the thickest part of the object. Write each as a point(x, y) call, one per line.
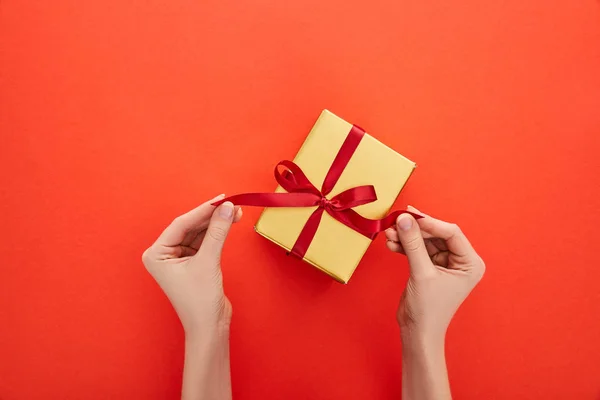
point(341, 238)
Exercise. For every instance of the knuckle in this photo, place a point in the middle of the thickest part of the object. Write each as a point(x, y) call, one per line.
point(393, 246)
point(412, 243)
point(479, 269)
point(180, 220)
point(439, 259)
point(482, 266)
point(217, 275)
point(455, 229)
point(217, 233)
point(146, 258)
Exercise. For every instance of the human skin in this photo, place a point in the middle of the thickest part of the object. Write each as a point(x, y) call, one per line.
point(185, 261)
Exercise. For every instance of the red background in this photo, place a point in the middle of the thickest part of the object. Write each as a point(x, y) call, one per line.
point(117, 116)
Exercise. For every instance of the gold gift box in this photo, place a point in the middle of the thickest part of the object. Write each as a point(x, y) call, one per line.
point(337, 249)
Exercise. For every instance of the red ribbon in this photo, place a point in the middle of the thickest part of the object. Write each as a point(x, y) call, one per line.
point(302, 193)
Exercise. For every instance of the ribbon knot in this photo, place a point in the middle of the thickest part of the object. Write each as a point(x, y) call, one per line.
point(324, 203)
point(302, 193)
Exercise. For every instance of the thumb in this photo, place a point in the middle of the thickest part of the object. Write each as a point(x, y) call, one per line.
point(216, 233)
point(410, 236)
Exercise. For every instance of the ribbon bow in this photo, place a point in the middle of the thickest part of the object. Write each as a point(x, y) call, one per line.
point(302, 193)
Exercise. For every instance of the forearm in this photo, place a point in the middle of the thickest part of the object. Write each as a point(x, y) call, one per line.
point(206, 372)
point(424, 373)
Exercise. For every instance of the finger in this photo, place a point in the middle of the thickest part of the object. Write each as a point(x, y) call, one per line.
point(393, 243)
point(395, 247)
point(440, 259)
point(238, 214)
point(192, 239)
point(184, 251)
point(197, 241)
point(456, 241)
point(391, 234)
point(431, 249)
point(186, 223)
point(440, 244)
point(216, 233)
point(426, 235)
point(411, 239)
point(414, 209)
point(189, 237)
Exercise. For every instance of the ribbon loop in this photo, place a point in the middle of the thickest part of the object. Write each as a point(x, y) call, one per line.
point(292, 179)
point(354, 197)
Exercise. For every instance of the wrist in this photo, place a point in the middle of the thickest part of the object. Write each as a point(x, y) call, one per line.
point(424, 373)
point(417, 339)
point(213, 334)
point(206, 373)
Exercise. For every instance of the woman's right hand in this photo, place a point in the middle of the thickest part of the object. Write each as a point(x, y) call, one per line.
point(444, 268)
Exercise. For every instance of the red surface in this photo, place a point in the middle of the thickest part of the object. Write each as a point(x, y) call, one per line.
point(117, 116)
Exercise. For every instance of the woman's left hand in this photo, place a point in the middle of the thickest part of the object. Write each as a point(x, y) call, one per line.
point(186, 262)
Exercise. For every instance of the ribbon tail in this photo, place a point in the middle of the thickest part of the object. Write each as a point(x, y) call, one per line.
point(271, 200)
point(307, 234)
point(369, 227)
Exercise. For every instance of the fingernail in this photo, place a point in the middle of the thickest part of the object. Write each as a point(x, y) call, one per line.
point(222, 195)
point(226, 210)
point(404, 222)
